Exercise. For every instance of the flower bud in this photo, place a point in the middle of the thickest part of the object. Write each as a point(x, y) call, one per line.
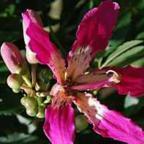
point(16, 90)
point(30, 112)
point(15, 81)
point(31, 105)
point(12, 57)
point(81, 123)
point(41, 113)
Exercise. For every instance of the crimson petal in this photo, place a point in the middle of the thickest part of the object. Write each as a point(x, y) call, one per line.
point(131, 81)
point(93, 80)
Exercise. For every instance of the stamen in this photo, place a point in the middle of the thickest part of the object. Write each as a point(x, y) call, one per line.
point(114, 76)
point(60, 95)
point(65, 75)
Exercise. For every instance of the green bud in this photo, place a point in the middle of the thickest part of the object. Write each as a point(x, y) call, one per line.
point(31, 105)
point(81, 123)
point(15, 81)
point(41, 111)
point(16, 90)
point(31, 112)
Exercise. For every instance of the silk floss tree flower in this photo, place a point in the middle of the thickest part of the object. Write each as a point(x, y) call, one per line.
point(75, 79)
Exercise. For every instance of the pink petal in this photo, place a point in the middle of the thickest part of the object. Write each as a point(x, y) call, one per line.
point(59, 124)
point(96, 27)
point(92, 76)
point(91, 81)
point(46, 51)
point(78, 62)
point(120, 128)
point(90, 86)
point(109, 123)
point(92, 35)
point(28, 16)
point(12, 57)
point(131, 81)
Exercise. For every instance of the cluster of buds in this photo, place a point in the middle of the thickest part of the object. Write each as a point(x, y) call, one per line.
point(26, 78)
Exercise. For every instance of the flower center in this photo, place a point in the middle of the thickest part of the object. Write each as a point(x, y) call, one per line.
point(61, 95)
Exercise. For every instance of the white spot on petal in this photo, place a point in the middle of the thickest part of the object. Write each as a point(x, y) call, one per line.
point(99, 108)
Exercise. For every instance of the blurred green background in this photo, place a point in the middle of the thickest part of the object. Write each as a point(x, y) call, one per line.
point(63, 16)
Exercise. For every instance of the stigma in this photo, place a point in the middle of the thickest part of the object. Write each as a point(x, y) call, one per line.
point(114, 76)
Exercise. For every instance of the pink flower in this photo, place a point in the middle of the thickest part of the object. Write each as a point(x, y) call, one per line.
point(75, 79)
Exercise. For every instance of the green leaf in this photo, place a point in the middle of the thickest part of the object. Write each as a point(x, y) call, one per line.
point(130, 101)
point(138, 63)
point(140, 36)
point(128, 57)
point(3, 73)
point(140, 4)
point(17, 138)
point(122, 29)
point(8, 111)
point(31, 127)
point(134, 109)
point(122, 52)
